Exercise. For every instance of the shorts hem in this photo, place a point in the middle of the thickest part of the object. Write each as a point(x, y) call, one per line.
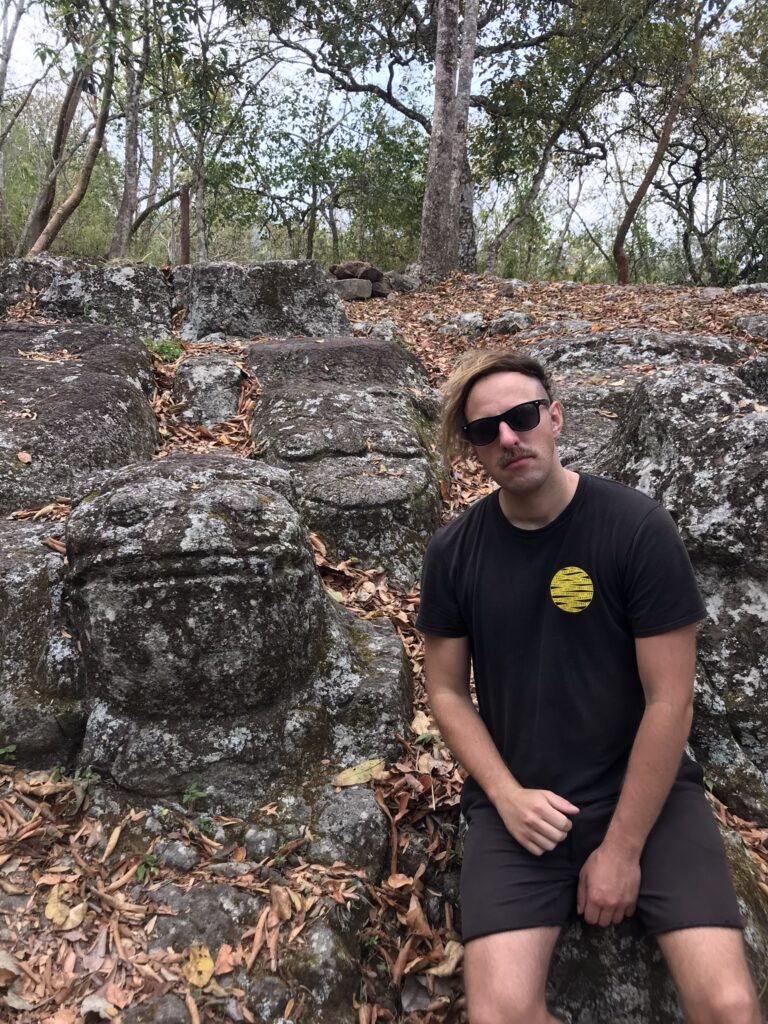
point(731, 925)
point(513, 928)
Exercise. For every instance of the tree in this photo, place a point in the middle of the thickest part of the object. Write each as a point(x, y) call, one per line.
point(454, 57)
point(702, 26)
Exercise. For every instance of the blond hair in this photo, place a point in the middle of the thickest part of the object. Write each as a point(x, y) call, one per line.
point(471, 368)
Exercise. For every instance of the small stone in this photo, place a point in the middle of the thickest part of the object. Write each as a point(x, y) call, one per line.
point(510, 323)
point(260, 842)
point(177, 855)
point(353, 289)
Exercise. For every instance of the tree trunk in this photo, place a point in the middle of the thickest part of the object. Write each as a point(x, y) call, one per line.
point(75, 197)
point(41, 211)
point(184, 246)
point(462, 199)
point(334, 228)
point(201, 242)
point(619, 252)
point(154, 184)
point(439, 244)
point(134, 81)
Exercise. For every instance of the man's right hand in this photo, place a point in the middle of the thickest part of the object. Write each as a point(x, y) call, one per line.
point(536, 818)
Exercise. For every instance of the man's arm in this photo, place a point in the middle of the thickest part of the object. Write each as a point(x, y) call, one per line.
point(610, 879)
point(535, 817)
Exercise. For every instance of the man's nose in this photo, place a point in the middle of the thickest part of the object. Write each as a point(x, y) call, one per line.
point(507, 437)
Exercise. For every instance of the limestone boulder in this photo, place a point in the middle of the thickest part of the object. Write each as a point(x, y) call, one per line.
point(22, 279)
point(212, 653)
point(757, 288)
point(278, 298)
point(209, 388)
point(510, 322)
point(41, 712)
point(75, 399)
point(695, 438)
point(401, 283)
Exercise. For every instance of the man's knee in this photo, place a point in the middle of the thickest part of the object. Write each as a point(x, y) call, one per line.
point(730, 1004)
point(487, 1011)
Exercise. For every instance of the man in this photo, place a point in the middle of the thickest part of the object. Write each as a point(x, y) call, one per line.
point(574, 601)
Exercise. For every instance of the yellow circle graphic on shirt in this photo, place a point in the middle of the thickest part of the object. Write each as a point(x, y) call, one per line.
point(571, 589)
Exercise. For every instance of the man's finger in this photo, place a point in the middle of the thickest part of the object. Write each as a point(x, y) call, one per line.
point(556, 820)
point(549, 831)
point(561, 804)
point(542, 840)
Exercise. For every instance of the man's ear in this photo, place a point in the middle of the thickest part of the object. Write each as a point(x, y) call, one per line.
point(557, 416)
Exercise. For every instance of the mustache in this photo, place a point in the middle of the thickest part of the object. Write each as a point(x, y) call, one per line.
point(519, 453)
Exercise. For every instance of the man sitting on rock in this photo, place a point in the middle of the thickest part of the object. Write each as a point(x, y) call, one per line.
point(574, 601)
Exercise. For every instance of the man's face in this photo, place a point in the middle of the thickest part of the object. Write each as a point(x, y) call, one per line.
point(520, 463)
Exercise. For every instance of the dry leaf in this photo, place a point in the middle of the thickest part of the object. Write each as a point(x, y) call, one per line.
point(63, 918)
point(415, 919)
point(24, 457)
point(112, 843)
point(360, 774)
point(62, 1016)
point(281, 902)
point(422, 724)
point(9, 969)
point(398, 881)
point(225, 962)
point(454, 952)
point(99, 1005)
point(198, 970)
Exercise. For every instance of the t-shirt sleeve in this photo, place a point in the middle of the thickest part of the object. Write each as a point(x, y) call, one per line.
point(439, 611)
point(661, 590)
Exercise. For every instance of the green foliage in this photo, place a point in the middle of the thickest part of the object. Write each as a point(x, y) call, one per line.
point(167, 350)
point(192, 794)
point(8, 753)
point(147, 865)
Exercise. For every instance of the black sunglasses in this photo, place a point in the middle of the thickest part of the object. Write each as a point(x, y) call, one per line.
point(519, 418)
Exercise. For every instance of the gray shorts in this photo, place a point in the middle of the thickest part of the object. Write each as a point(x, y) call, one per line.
point(685, 880)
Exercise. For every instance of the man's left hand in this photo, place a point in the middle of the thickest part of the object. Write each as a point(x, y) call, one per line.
point(608, 886)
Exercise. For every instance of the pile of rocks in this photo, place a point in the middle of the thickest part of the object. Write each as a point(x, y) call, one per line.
point(357, 279)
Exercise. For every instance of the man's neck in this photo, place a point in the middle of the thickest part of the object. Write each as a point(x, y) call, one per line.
point(534, 511)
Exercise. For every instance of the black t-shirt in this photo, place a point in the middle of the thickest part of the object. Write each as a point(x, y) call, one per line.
point(551, 615)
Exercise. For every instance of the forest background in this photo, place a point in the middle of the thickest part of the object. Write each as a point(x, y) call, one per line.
point(582, 139)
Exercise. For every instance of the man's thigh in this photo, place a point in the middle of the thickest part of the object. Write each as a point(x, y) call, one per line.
point(710, 970)
point(505, 976)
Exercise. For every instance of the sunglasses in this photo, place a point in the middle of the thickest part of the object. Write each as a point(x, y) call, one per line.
point(519, 418)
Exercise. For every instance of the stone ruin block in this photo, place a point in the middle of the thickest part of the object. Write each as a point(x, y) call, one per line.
point(278, 297)
point(213, 654)
point(353, 421)
point(696, 439)
point(132, 295)
point(41, 713)
point(75, 399)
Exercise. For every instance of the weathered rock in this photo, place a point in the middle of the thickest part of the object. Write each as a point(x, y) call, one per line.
point(401, 283)
point(351, 818)
point(76, 401)
point(209, 387)
point(174, 854)
point(22, 279)
point(758, 288)
point(511, 287)
point(358, 450)
point(707, 294)
point(212, 653)
point(380, 330)
point(595, 373)
point(381, 289)
point(135, 295)
point(754, 373)
point(510, 323)
point(356, 269)
point(756, 325)
point(40, 674)
point(467, 324)
point(352, 289)
point(206, 914)
point(694, 439)
point(167, 1009)
point(279, 298)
